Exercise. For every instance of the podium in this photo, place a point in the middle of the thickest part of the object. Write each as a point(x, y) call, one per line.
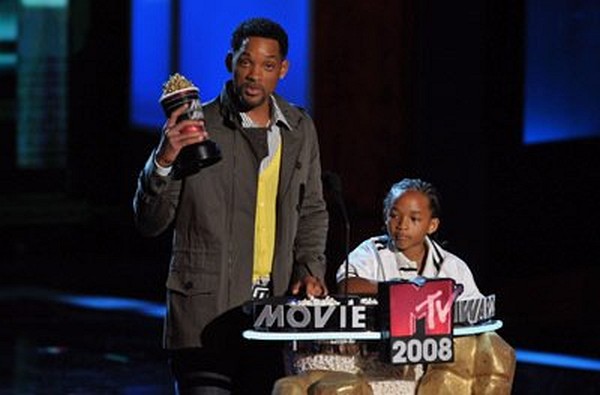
point(356, 348)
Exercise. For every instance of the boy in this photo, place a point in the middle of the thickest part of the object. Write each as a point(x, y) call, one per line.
point(411, 212)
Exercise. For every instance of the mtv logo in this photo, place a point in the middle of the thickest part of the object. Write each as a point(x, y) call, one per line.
point(428, 303)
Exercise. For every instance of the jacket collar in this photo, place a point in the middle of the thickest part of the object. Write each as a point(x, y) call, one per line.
point(229, 111)
point(290, 133)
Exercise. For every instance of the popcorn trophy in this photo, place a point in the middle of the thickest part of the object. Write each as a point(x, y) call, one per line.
point(178, 91)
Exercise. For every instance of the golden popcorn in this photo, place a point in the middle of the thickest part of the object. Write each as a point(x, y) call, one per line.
point(175, 83)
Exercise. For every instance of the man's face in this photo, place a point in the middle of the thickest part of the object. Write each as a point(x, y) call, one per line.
point(409, 222)
point(257, 67)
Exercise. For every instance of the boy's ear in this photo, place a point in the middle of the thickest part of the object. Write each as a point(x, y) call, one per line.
point(433, 225)
point(229, 61)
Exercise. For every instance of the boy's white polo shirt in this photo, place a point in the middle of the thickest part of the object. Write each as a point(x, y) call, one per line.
point(377, 259)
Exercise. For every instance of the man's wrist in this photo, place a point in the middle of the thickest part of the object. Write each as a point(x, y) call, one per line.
point(162, 163)
point(161, 168)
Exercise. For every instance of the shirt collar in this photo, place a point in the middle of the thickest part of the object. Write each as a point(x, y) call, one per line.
point(277, 116)
point(431, 261)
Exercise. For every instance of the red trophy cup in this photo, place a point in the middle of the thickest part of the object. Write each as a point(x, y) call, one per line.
point(178, 91)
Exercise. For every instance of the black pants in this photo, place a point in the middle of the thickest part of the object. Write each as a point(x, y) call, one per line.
point(228, 363)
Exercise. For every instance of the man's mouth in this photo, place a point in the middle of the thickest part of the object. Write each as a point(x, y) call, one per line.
point(252, 90)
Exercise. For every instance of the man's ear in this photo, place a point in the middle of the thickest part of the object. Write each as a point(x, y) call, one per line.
point(285, 66)
point(229, 61)
point(433, 225)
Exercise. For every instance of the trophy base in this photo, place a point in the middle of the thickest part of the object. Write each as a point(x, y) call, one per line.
point(195, 157)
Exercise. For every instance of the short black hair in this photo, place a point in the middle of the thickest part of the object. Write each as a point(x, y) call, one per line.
point(260, 27)
point(413, 184)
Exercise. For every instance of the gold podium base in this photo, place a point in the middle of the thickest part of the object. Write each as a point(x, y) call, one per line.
point(483, 364)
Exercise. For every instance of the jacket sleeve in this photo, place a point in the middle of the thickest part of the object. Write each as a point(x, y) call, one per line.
point(309, 245)
point(155, 200)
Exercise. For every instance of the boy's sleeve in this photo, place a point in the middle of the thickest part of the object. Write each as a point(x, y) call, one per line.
point(362, 263)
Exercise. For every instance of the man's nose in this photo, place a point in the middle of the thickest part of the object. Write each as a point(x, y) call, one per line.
point(254, 74)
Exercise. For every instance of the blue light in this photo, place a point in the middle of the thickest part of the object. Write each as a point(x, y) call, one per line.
point(148, 309)
point(557, 360)
point(150, 40)
point(561, 78)
point(45, 3)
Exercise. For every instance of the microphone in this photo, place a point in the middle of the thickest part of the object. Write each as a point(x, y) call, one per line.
point(334, 183)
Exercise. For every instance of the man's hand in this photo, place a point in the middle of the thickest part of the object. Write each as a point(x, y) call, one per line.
point(309, 285)
point(178, 135)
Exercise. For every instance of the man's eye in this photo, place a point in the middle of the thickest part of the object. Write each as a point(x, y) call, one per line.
point(244, 62)
point(270, 67)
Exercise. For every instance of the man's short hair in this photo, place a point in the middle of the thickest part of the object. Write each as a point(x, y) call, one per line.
point(260, 27)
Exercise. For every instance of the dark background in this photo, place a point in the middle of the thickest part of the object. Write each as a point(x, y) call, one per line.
point(401, 89)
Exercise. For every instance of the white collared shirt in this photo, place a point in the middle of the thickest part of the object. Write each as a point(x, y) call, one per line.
point(377, 259)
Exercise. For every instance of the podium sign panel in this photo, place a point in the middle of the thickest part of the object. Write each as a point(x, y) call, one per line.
point(419, 320)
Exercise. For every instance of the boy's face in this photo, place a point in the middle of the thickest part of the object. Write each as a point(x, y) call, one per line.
point(257, 67)
point(409, 222)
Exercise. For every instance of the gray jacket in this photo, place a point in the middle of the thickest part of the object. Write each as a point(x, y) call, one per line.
point(212, 213)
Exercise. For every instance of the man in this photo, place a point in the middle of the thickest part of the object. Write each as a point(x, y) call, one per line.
point(256, 220)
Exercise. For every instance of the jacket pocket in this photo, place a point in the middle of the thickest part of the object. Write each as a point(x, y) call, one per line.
point(193, 272)
point(301, 192)
point(190, 283)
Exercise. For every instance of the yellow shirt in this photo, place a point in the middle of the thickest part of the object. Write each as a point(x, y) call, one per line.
point(266, 217)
